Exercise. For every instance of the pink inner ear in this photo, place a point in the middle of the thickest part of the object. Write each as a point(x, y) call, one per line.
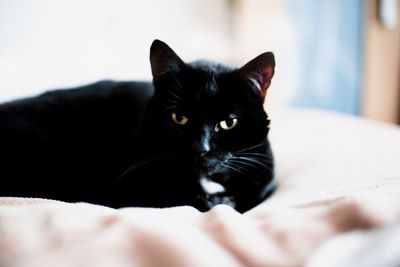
point(266, 78)
point(263, 78)
point(265, 82)
point(260, 71)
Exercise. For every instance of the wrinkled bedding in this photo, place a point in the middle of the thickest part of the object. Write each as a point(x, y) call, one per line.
point(338, 204)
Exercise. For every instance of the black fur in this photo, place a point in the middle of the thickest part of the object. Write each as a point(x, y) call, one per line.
point(116, 143)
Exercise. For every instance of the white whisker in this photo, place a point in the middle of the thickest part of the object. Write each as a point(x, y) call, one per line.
point(250, 159)
point(255, 155)
point(248, 164)
point(169, 108)
point(136, 166)
point(252, 147)
point(173, 94)
point(172, 101)
point(233, 168)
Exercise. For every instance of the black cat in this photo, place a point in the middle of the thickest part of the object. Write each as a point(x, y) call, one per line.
point(195, 136)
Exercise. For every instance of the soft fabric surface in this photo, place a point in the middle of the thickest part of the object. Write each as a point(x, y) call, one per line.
point(360, 248)
point(339, 181)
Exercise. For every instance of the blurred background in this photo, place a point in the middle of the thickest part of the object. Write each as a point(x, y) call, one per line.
point(340, 55)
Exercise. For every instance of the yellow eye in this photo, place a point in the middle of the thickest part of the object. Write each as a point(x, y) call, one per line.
point(228, 124)
point(179, 119)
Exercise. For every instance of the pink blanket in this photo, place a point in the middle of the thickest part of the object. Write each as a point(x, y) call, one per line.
point(337, 175)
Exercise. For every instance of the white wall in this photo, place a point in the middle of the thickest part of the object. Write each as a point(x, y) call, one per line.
point(48, 44)
point(59, 43)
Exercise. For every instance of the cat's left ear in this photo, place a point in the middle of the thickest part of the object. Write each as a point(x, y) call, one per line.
point(163, 59)
point(259, 72)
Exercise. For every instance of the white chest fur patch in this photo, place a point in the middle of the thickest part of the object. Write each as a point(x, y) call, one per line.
point(211, 187)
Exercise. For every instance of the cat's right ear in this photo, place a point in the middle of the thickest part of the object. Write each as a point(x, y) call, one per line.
point(163, 59)
point(260, 71)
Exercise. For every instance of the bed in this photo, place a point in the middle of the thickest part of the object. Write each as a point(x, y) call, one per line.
point(337, 204)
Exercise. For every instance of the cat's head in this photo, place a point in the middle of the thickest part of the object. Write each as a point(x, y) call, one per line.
point(213, 115)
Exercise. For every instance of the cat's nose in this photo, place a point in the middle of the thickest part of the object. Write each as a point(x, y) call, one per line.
point(200, 149)
point(200, 157)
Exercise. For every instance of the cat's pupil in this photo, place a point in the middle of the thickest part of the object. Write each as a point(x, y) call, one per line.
point(229, 122)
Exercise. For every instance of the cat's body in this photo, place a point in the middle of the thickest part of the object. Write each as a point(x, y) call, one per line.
point(195, 136)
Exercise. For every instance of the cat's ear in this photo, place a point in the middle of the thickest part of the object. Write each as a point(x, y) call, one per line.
point(163, 59)
point(259, 72)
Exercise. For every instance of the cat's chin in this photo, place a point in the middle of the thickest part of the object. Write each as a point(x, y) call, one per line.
point(211, 187)
point(214, 193)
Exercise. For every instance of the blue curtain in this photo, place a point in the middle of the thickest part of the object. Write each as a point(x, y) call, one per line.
point(329, 34)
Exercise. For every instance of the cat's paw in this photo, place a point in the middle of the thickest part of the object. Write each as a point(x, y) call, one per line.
point(211, 200)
